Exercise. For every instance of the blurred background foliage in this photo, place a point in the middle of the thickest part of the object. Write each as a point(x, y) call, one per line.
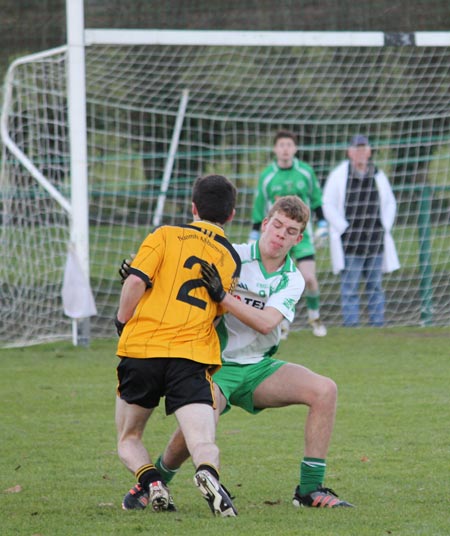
point(32, 25)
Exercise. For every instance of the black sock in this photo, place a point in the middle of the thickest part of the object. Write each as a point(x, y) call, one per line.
point(210, 468)
point(147, 474)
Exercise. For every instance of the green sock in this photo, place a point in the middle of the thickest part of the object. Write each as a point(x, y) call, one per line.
point(166, 473)
point(313, 301)
point(312, 474)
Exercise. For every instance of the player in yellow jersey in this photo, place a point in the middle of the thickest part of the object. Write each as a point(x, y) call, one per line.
point(168, 346)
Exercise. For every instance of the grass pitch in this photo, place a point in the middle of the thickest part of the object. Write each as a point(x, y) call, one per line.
point(60, 474)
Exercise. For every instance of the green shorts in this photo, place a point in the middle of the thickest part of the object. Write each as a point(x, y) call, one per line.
point(238, 382)
point(304, 248)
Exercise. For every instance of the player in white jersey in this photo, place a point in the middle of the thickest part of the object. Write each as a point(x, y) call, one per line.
point(269, 287)
point(280, 290)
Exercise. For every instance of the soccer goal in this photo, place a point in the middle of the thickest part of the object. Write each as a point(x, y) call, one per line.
point(162, 107)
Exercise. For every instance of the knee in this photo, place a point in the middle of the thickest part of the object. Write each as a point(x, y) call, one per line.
point(127, 438)
point(328, 392)
point(311, 282)
point(349, 291)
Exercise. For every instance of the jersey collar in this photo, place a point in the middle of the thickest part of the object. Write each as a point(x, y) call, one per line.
point(294, 161)
point(288, 266)
point(212, 227)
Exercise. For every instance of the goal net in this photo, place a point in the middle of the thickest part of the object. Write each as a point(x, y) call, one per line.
point(159, 115)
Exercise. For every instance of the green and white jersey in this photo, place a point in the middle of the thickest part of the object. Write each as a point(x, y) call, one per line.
point(299, 180)
point(281, 289)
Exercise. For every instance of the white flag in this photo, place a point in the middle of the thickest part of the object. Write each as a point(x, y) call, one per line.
point(78, 300)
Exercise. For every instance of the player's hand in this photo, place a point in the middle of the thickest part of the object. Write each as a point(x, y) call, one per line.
point(124, 270)
point(211, 280)
point(321, 234)
point(119, 325)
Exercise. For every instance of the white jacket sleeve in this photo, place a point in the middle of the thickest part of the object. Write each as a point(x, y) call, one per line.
point(388, 204)
point(388, 210)
point(333, 198)
point(334, 212)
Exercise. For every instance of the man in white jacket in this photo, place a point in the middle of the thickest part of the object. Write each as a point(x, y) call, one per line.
point(360, 208)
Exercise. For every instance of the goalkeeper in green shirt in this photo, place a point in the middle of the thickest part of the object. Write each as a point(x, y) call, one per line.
point(287, 175)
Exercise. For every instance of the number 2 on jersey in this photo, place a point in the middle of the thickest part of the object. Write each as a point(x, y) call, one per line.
point(185, 289)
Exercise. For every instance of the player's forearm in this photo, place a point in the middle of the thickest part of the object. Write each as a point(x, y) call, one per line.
point(261, 320)
point(132, 291)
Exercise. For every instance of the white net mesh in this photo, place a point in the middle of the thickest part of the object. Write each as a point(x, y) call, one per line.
point(238, 97)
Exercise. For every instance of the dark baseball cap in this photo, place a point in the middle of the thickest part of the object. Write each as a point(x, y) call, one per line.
point(359, 139)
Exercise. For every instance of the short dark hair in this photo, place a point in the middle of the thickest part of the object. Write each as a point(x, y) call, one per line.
point(292, 207)
point(215, 198)
point(285, 134)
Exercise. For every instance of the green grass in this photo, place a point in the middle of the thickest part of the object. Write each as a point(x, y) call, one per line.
point(389, 453)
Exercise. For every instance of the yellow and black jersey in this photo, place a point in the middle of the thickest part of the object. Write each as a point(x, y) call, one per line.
point(175, 316)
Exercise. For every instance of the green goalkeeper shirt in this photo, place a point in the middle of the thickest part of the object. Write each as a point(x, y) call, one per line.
point(299, 180)
point(275, 182)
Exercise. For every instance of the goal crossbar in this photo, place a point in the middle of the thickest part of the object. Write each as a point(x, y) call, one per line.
point(255, 38)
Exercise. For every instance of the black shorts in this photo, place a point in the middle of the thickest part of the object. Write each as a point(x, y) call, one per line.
point(305, 258)
point(181, 381)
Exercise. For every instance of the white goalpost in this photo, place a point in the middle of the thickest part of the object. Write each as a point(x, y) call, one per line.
point(159, 210)
point(103, 138)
